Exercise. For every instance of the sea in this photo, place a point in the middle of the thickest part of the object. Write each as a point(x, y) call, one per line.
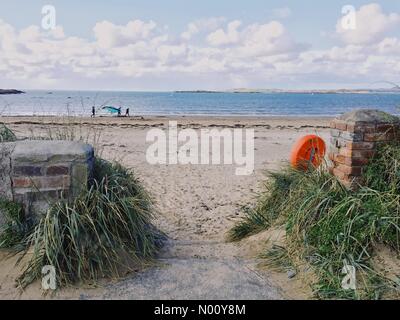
point(79, 103)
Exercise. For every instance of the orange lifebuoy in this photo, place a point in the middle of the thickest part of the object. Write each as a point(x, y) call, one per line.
point(308, 150)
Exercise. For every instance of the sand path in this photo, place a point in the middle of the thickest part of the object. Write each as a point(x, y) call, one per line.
point(196, 206)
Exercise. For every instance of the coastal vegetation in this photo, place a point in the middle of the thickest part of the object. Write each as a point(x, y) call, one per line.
point(105, 231)
point(328, 226)
point(6, 135)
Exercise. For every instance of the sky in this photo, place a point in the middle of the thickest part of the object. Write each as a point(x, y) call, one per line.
point(189, 45)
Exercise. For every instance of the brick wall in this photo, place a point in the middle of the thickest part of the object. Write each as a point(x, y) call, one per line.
point(39, 172)
point(355, 137)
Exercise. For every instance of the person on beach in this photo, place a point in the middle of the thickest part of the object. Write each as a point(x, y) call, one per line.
point(127, 112)
point(93, 112)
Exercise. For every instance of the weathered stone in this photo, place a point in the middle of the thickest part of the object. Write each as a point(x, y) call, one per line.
point(5, 170)
point(37, 183)
point(80, 176)
point(356, 137)
point(378, 137)
point(54, 170)
point(335, 133)
point(368, 117)
point(27, 170)
point(36, 173)
point(361, 145)
point(355, 140)
point(43, 151)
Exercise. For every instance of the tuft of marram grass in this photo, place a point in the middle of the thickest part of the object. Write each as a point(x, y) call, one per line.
point(93, 236)
point(6, 135)
point(269, 206)
point(328, 225)
point(15, 227)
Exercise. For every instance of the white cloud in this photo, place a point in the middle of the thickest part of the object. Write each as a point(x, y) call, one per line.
point(209, 52)
point(221, 37)
point(371, 25)
point(202, 25)
point(110, 35)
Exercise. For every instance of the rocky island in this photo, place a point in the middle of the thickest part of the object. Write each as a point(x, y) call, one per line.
point(10, 91)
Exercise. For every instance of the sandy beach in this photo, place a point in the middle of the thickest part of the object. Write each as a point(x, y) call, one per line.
point(196, 206)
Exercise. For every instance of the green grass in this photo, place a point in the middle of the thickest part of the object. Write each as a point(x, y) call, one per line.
point(16, 227)
point(93, 236)
point(326, 224)
point(104, 232)
point(6, 135)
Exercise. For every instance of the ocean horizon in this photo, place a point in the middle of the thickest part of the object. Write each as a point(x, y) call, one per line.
point(79, 103)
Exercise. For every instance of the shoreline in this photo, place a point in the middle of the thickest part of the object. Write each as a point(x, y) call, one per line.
point(210, 119)
point(289, 122)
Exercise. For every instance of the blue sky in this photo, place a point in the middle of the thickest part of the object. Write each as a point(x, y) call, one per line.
point(308, 18)
point(308, 26)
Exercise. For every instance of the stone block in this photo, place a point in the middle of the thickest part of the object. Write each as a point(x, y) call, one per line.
point(36, 173)
point(335, 133)
point(355, 138)
point(54, 170)
point(27, 170)
point(361, 145)
point(38, 183)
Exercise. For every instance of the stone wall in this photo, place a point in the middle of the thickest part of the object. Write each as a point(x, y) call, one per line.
point(35, 173)
point(355, 137)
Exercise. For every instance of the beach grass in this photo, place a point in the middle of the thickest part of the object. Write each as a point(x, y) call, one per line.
point(328, 226)
point(6, 135)
point(103, 232)
point(15, 228)
point(106, 231)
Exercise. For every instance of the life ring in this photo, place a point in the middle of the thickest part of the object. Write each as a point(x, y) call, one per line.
point(308, 150)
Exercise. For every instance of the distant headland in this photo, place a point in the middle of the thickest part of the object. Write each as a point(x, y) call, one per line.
point(10, 91)
point(322, 91)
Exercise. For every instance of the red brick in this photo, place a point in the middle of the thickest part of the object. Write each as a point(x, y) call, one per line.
point(361, 145)
point(356, 161)
point(22, 182)
point(346, 152)
point(350, 170)
point(60, 182)
point(340, 159)
point(387, 128)
point(339, 174)
point(351, 127)
point(57, 170)
point(361, 127)
point(348, 161)
point(27, 170)
point(341, 125)
point(377, 137)
point(350, 153)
